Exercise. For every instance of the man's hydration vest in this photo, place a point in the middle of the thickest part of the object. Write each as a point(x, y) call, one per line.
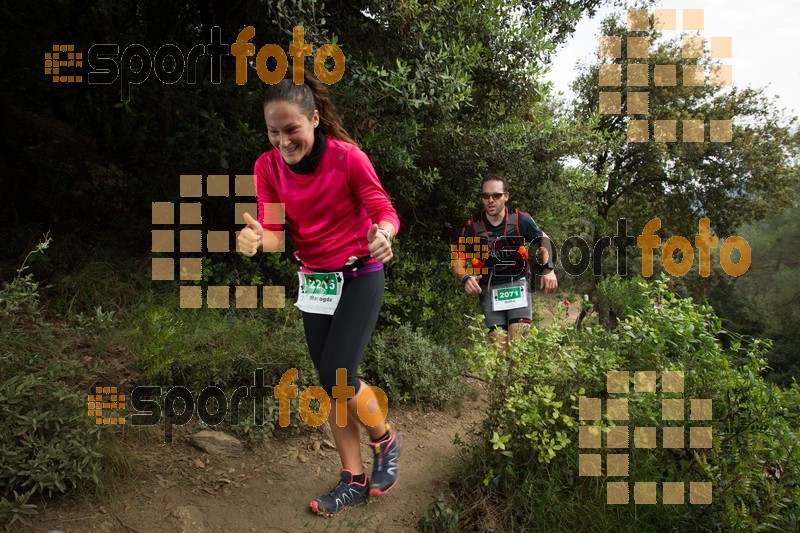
point(513, 240)
point(512, 223)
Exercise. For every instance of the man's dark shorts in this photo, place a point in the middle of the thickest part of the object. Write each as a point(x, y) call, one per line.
point(494, 319)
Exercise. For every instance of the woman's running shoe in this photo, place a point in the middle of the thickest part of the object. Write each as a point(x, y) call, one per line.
point(384, 468)
point(346, 494)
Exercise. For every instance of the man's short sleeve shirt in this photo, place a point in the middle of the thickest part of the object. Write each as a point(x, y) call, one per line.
point(501, 255)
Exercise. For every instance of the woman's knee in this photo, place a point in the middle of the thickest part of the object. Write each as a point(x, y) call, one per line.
point(334, 379)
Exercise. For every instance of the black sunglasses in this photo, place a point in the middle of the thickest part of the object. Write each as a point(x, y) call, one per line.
point(495, 195)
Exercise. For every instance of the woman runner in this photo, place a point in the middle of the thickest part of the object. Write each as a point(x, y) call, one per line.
point(342, 224)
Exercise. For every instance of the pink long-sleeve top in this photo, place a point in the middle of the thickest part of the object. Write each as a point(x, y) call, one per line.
point(329, 211)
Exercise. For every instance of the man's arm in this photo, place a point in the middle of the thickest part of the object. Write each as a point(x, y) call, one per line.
point(549, 281)
point(545, 255)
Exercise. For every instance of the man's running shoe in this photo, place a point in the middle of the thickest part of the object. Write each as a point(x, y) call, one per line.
point(346, 494)
point(384, 468)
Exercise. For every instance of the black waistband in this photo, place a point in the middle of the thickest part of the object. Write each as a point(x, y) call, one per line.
point(355, 265)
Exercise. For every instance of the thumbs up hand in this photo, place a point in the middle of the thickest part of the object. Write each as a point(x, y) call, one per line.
point(379, 246)
point(251, 237)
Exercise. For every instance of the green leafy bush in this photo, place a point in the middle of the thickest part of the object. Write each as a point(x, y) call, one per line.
point(422, 293)
point(615, 298)
point(247, 428)
point(19, 298)
point(47, 443)
point(522, 474)
point(197, 348)
point(408, 366)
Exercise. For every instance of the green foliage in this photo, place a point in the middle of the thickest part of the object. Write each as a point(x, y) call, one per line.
point(616, 298)
point(533, 389)
point(523, 470)
point(441, 516)
point(754, 466)
point(765, 301)
point(250, 431)
point(198, 347)
point(731, 183)
point(47, 443)
point(408, 366)
point(420, 291)
point(425, 103)
point(98, 320)
point(20, 297)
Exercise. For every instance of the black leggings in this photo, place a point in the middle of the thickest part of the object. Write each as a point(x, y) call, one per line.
point(339, 340)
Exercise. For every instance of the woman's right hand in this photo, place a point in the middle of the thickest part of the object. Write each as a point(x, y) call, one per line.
point(251, 237)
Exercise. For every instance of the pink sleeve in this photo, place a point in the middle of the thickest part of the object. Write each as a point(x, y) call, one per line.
point(366, 185)
point(265, 192)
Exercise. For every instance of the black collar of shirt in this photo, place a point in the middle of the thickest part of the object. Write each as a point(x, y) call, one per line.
point(488, 224)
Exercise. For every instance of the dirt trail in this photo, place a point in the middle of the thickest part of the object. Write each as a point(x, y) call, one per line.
point(178, 488)
point(269, 488)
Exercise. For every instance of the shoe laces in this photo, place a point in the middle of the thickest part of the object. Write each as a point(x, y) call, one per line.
point(339, 485)
point(335, 489)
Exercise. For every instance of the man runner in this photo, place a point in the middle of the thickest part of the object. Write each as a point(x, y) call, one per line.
point(505, 292)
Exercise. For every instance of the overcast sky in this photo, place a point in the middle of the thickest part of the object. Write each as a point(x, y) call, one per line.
point(766, 47)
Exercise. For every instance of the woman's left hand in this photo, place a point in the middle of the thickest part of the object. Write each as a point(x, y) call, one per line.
point(379, 246)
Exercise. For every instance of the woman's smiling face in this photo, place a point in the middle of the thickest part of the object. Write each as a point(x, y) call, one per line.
point(289, 130)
